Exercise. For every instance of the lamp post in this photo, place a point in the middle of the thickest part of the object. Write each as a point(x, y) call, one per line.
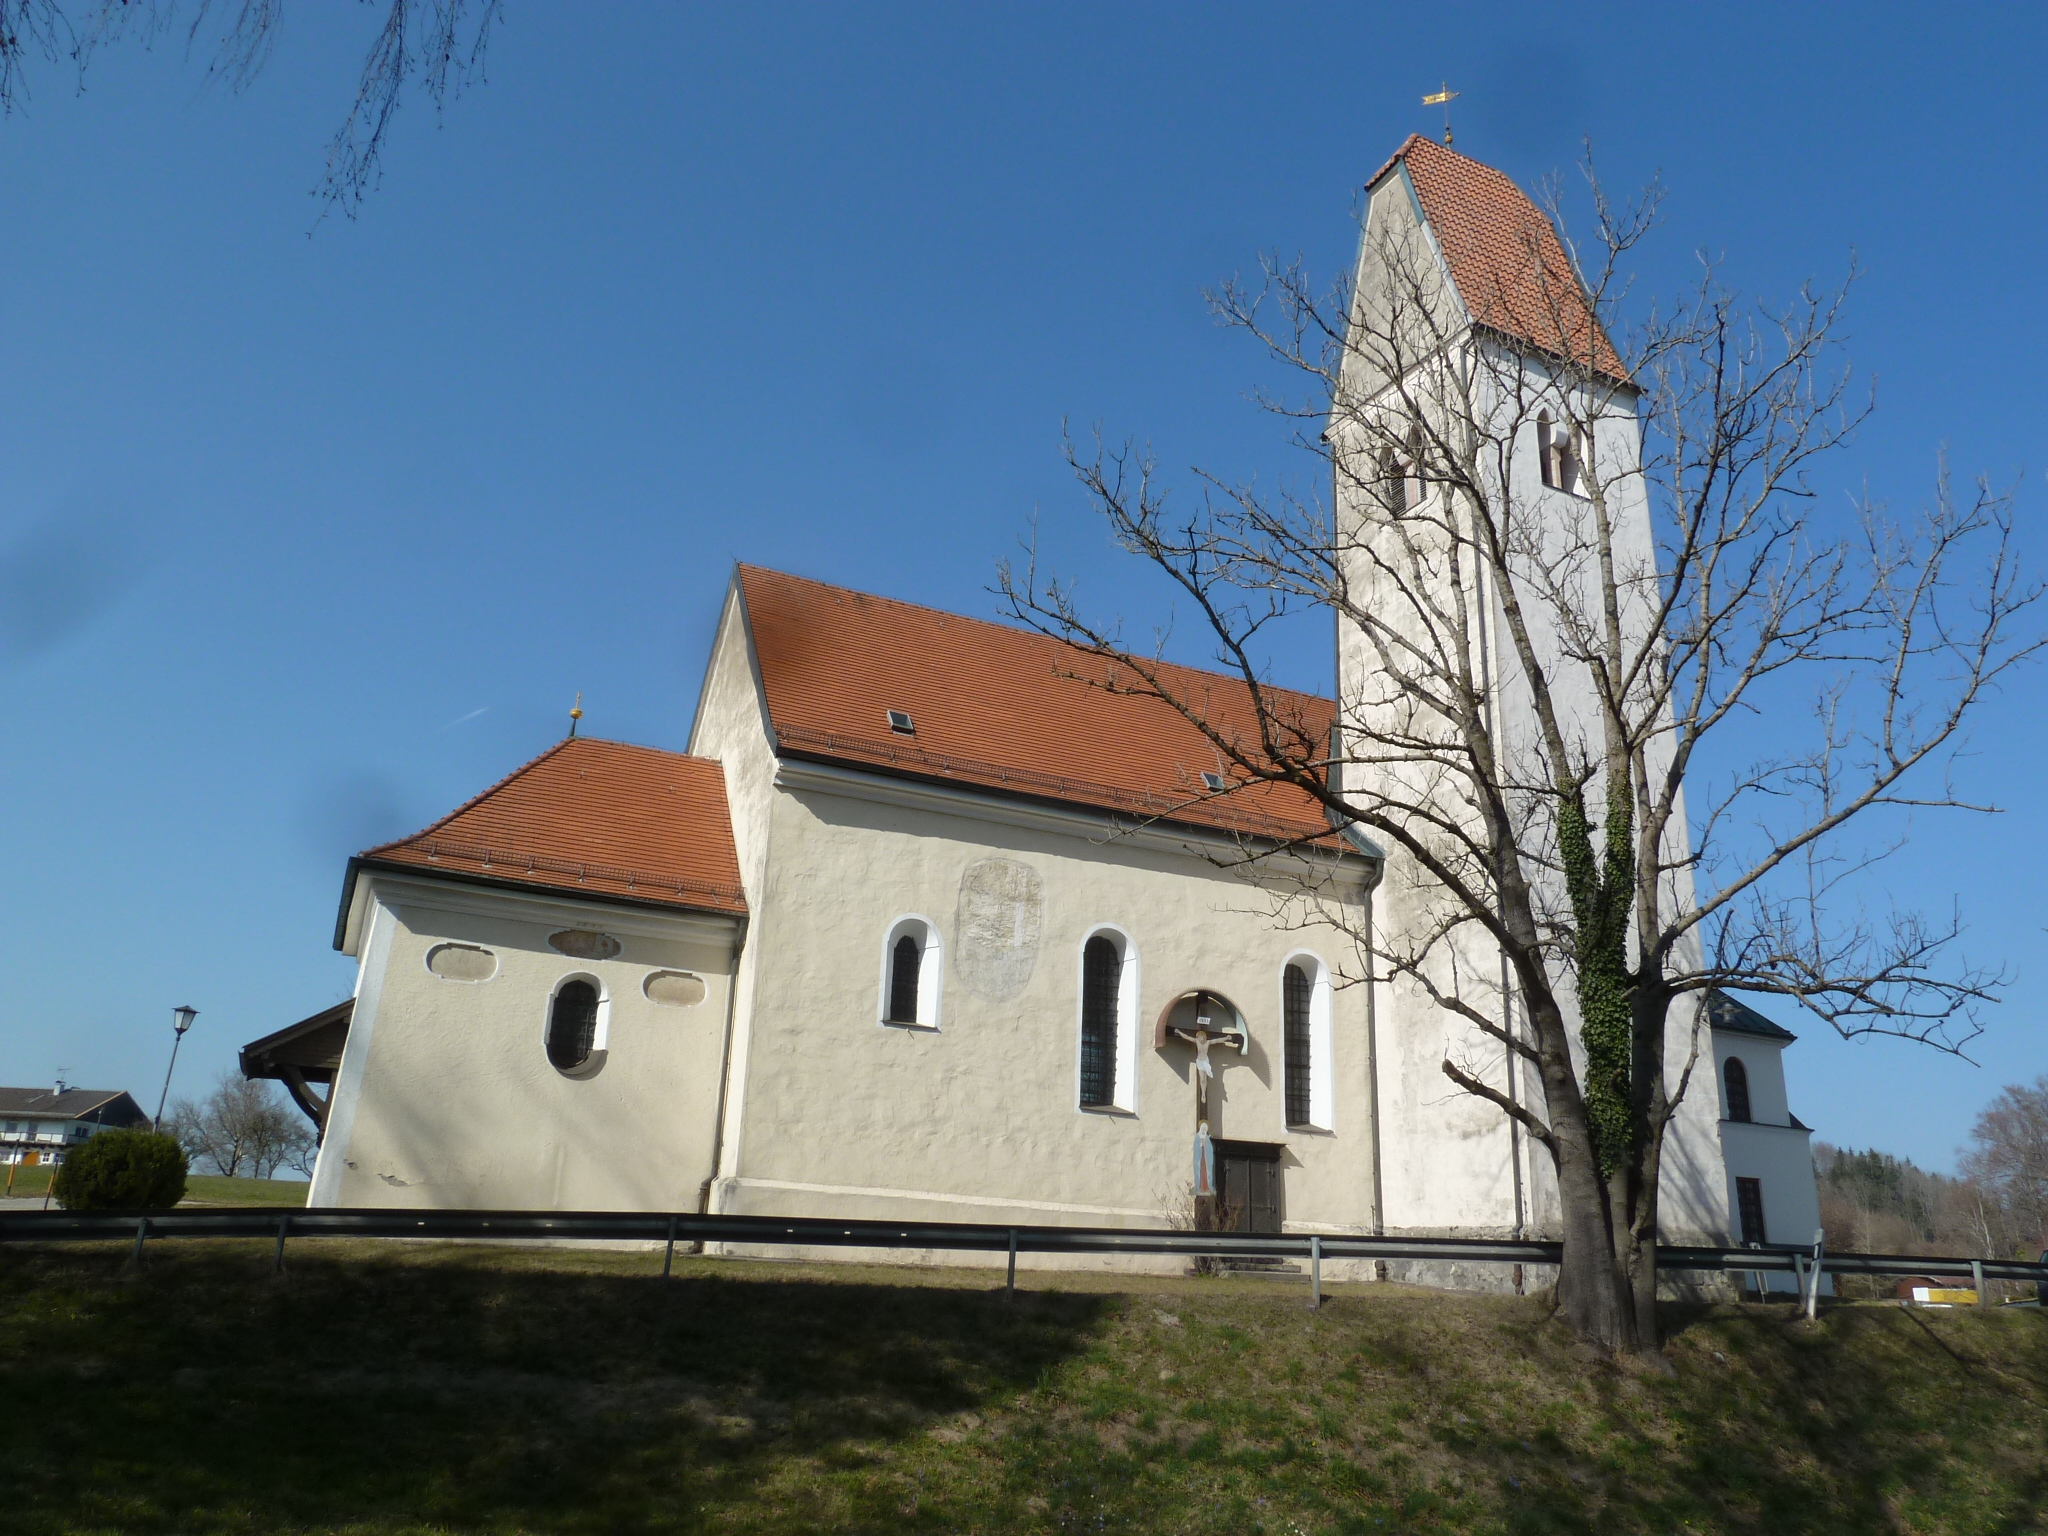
point(181, 1020)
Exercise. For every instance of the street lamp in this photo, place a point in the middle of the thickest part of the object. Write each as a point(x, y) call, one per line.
point(181, 1020)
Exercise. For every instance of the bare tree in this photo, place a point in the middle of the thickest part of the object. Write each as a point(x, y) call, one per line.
point(243, 1129)
point(2009, 1160)
point(1558, 565)
point(439, 43)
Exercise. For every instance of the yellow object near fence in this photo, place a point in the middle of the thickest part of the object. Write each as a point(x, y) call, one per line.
point(1941, 1296)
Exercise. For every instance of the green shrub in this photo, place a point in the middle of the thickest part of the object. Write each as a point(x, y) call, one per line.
point(122, 1171)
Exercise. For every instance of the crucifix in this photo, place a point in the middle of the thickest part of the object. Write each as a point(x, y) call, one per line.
point(1214, 1026)
point(1208, 1033)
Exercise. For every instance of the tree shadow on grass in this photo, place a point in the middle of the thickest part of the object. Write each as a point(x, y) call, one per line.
point(381, 1390)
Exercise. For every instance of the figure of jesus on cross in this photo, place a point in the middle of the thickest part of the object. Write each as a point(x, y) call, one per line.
point(1208, 1033)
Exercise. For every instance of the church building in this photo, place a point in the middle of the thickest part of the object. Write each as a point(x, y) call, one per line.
point(921, 923)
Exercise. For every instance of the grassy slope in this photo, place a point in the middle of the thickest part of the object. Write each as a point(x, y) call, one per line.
point(386, 1388)
point(33, 1183)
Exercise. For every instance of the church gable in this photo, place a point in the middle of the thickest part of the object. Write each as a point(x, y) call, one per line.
point(880, 685)
point(589, 818)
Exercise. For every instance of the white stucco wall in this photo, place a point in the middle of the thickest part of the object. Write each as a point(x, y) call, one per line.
point(977, 1119)
point(446, 1097)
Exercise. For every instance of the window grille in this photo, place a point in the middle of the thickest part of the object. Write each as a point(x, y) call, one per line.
point(572, 1026)
point(904, 962)
point(1294, 1000)
point(1102, 968)
point(1738, 1089)
point(1749, 1201)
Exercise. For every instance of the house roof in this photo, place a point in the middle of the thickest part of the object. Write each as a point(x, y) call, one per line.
point(593, 818)
point(1733, 1017)
point(1008, 709)
point(1504, 255)
point(71, 1104)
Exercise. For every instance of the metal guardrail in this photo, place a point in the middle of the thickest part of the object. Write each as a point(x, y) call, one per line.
point(951, 1236)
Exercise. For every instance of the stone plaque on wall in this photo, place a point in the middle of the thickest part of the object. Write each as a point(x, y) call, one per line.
point(462, 962)
point(996, 928)
point(584, 944)
point(674, 989)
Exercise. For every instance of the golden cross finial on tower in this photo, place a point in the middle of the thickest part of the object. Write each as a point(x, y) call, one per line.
point(1443, 97)
point(576, 712)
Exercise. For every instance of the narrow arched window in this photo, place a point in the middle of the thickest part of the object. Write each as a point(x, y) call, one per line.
point(913, 966)
point(904, 961)
point(1294, 998)
point(572, 1026)
point(1738, 1088)
point(1102, 968)
point(1393, 481)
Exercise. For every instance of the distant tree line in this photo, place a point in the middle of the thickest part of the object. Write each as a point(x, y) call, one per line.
point(244, 1129)
point(1995, 1206)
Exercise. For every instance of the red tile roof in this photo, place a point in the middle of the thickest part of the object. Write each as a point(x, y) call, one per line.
point(594, 818)
point(1007, 709)
point(1504, 255)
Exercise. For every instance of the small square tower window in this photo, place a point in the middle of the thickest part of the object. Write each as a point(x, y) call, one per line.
point(900, 723)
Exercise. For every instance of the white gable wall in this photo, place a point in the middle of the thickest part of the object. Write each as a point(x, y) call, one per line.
point(1769, 1147)
point(446, 1097)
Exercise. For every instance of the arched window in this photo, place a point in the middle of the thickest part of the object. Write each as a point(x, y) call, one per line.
point(912, 968)
point(1558, 455)
point(1102, 969)
point(573, 1024)
point(1738, 1088)
point(904, 960)
point(1294, 994)
point(1393, 475)
point(1305, 1043)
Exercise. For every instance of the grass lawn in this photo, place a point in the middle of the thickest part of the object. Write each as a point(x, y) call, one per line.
point(33, 1183)
point(415, 1388)
point(210, 1189)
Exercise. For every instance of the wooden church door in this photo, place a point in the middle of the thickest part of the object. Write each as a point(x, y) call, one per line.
point(1249, 1173)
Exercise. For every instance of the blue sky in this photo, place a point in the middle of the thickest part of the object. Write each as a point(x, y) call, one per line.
point(310, 530)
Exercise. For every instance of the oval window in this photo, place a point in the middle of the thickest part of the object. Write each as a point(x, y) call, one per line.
point(674, 989)
point(572, 1026)
point(462, 962)
point(584, 944)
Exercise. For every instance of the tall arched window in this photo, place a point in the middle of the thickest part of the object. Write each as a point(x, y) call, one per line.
point(904, 961)
point(572, 1025)
point(1102, 969)
point(1297, 1051)
point(1309, 1096)
point(1738, 1088)
point(913, 966)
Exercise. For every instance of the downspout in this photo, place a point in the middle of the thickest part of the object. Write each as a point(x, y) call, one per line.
point(1376, 866)
point(732, 994)
point(1372, 1044)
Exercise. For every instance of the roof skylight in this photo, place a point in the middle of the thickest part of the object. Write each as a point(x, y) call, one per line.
point(1213, 782)
point(900, 722)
